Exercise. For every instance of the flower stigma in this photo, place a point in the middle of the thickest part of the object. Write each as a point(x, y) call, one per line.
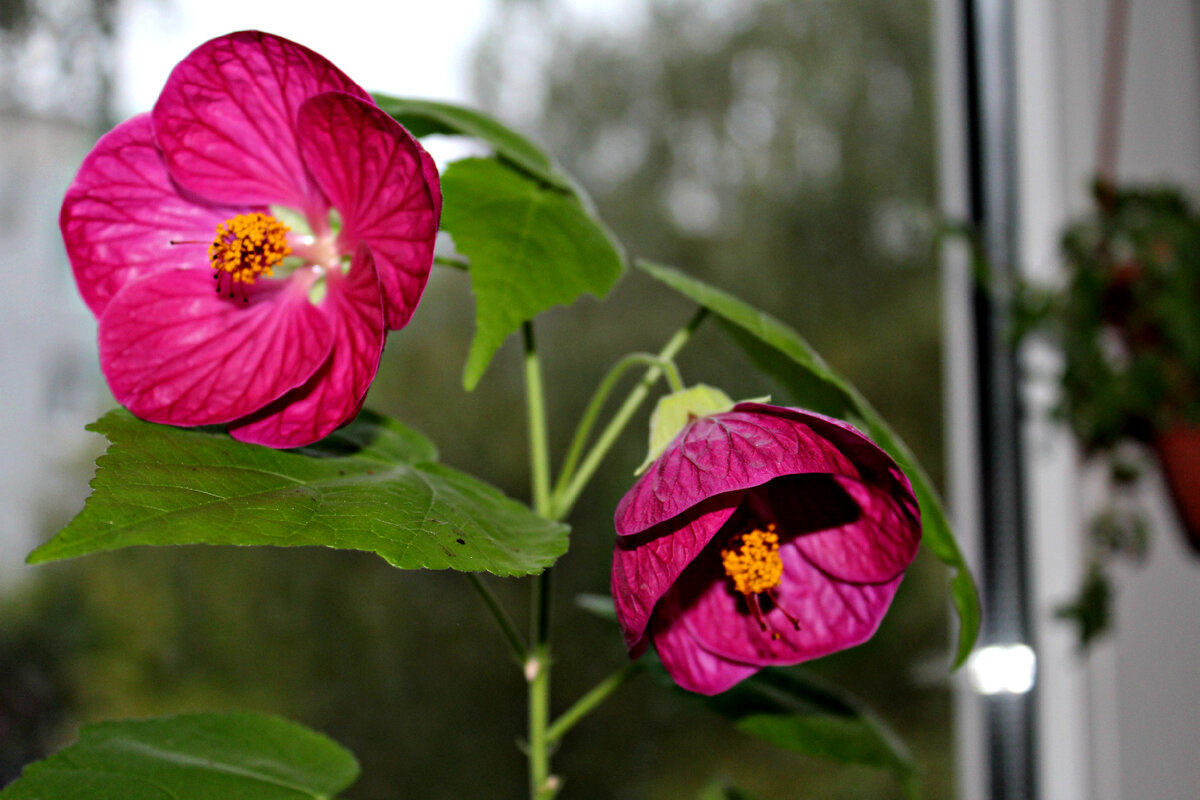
point(752, 562)
point(247, 246)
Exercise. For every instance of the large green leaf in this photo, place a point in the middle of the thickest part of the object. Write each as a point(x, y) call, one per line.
point(782, 353)
point(191, 757)
point(793, 710)
point(425, 117)
point(530, 248)
point(374, 486)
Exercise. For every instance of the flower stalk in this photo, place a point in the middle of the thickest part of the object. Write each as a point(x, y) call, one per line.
point(564, 499)
point(516, 647)
point(592, 413)
point(597, 695)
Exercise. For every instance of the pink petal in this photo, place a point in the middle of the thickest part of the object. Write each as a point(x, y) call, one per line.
point(385, 187)
point(725, 452)
point(175, 351)
point(833, 614)
point(872, 464)
point(689, 664)
point(875, 547)
point(122, 212)
point(432, 180)
point(645, 566)
point(226, 119)
point(334, 394)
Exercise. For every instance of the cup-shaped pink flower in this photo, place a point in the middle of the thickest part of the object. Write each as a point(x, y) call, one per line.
point(247, 246)
point(760, 536)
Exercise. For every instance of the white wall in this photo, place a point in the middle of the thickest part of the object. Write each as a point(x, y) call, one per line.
point(1154, 673)
point(1122, 723)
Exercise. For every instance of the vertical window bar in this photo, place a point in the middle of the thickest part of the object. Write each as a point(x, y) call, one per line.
point(1008, 717)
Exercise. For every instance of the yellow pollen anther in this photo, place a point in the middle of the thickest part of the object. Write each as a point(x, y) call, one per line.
point(752, 561)
point(247, 246)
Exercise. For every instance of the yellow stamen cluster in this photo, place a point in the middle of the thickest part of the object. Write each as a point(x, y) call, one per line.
point(247, 246)
point(752, 561)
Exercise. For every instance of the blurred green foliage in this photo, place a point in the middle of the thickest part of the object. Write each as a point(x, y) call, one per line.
point(782, 150)
point(1127, 317)
point(1126, 320)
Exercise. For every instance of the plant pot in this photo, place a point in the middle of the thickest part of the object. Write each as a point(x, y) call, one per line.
point(1178, 450)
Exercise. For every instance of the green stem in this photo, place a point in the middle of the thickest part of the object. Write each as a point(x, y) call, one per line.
point(539, 609)
point(542, 785)
point(592, 413)
point(539, 446)
point(515, 645)
point(565, 500)
point(599, 693)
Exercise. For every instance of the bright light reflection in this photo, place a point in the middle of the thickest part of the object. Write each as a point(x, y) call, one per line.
point(1002, 669)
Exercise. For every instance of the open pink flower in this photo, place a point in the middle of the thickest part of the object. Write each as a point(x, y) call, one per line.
point(247, 245)
point(760, 536)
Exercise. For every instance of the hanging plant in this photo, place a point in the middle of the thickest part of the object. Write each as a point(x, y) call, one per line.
point(1128, 322)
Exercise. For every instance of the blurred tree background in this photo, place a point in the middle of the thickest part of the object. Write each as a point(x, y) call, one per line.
point(781, 149)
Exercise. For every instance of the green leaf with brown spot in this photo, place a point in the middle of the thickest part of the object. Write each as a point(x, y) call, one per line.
point(374, 485)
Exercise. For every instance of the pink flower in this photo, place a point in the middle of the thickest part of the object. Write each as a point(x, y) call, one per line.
point(247, 245)
point(760, 536)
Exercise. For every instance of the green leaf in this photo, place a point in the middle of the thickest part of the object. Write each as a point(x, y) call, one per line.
point(373, 486)
point(191, 757)
point(425, 117)
point(794, 710)
point(782, 353)
point(530, 248)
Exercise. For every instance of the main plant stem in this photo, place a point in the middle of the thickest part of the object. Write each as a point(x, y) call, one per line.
point(542, 785)
point(557, 504)
point(539, 442)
